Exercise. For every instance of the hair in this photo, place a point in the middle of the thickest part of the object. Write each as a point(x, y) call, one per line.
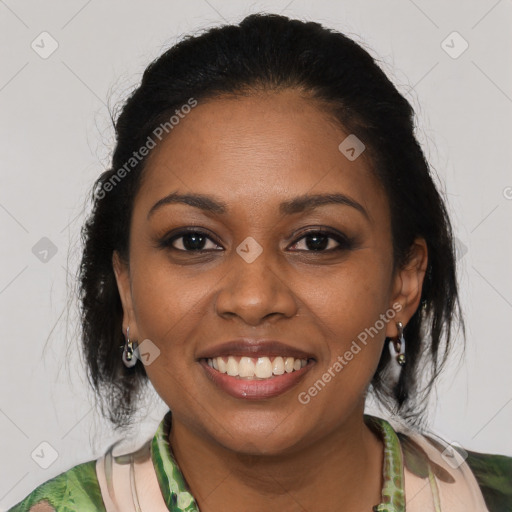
point(267, 52)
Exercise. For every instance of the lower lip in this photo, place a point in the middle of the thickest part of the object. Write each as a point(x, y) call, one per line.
point(255, 389)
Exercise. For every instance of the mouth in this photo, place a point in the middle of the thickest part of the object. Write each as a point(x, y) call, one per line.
point(255, 378)
point(256, 368)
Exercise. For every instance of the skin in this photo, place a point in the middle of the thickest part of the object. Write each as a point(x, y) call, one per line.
point(252, 153)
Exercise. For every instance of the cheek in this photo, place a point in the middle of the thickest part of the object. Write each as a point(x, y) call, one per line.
point(349, 317)
point(354, 296)
point(168, 308)
point(169, 314)
point(350, 310)
point(161, 290)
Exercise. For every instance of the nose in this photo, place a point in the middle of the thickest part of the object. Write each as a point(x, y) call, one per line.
point(255, 291)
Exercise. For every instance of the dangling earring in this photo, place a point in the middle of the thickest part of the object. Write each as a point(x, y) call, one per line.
point(397, 351)
point(397, 347)
point(129, 358)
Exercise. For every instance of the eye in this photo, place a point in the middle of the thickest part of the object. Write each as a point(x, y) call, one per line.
point(321, 240)
point(318, 240)
point(190, 241)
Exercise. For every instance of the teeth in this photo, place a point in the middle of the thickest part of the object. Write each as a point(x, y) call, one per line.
point(288, 364)
point(223, 367)
point(278, 366)
point(232, 368)
point(263, 368)
point(245, 367)
point(252, 368)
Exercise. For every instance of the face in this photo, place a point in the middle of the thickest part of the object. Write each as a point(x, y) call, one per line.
point(257, 261)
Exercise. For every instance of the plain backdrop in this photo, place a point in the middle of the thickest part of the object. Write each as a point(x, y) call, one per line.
point(450, 59)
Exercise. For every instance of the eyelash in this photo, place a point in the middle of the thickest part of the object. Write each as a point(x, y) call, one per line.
point(345, 243)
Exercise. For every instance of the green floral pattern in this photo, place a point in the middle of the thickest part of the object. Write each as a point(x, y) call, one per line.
point(393, 494)
point(175, 491)
point(178, 497)
point(78, 490)
point(72, 491)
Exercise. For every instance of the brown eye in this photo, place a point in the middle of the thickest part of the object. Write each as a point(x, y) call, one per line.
point(190, 241)
point(323, 241)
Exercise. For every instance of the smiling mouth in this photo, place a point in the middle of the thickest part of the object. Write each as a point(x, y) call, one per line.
point(256, 368)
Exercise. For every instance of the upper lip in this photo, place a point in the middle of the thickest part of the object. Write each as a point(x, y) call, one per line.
point(250, 347)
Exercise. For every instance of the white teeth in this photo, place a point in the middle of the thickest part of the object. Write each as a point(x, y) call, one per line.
point(260, 368)
point(223, 368)
point(288, 364)
point(263, 368)
point(246, 367)
point(278, 366)
point(232, 368)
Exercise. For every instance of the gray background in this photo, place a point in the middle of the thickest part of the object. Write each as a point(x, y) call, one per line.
point(56, 137)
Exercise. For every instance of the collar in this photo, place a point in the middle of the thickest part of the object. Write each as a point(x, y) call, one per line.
point(178, 498)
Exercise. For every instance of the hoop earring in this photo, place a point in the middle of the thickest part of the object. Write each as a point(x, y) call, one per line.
point(129, 357)
point(397, 346)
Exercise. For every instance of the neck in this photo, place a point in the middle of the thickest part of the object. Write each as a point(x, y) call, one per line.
point(342, 468)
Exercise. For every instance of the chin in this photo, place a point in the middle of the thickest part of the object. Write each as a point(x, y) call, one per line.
point(255, 436)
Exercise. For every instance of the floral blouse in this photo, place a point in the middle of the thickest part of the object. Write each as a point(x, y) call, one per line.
point(420, 474)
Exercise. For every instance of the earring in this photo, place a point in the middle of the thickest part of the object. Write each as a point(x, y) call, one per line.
point(129, 358)
point(395, 373)
point(397, 347)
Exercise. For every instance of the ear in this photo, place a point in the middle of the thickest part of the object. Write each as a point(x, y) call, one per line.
point(122, 274)
point(408, 284)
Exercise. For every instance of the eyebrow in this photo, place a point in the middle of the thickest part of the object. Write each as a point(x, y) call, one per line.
point(298, 204)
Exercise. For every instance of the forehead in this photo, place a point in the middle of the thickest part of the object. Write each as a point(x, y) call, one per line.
point(254, 149)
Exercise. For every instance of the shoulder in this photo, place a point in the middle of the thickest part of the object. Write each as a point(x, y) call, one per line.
point(74, 490)
point(494, 476)
point(452, 464)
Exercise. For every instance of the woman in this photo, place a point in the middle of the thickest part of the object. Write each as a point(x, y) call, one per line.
point(267, 247)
